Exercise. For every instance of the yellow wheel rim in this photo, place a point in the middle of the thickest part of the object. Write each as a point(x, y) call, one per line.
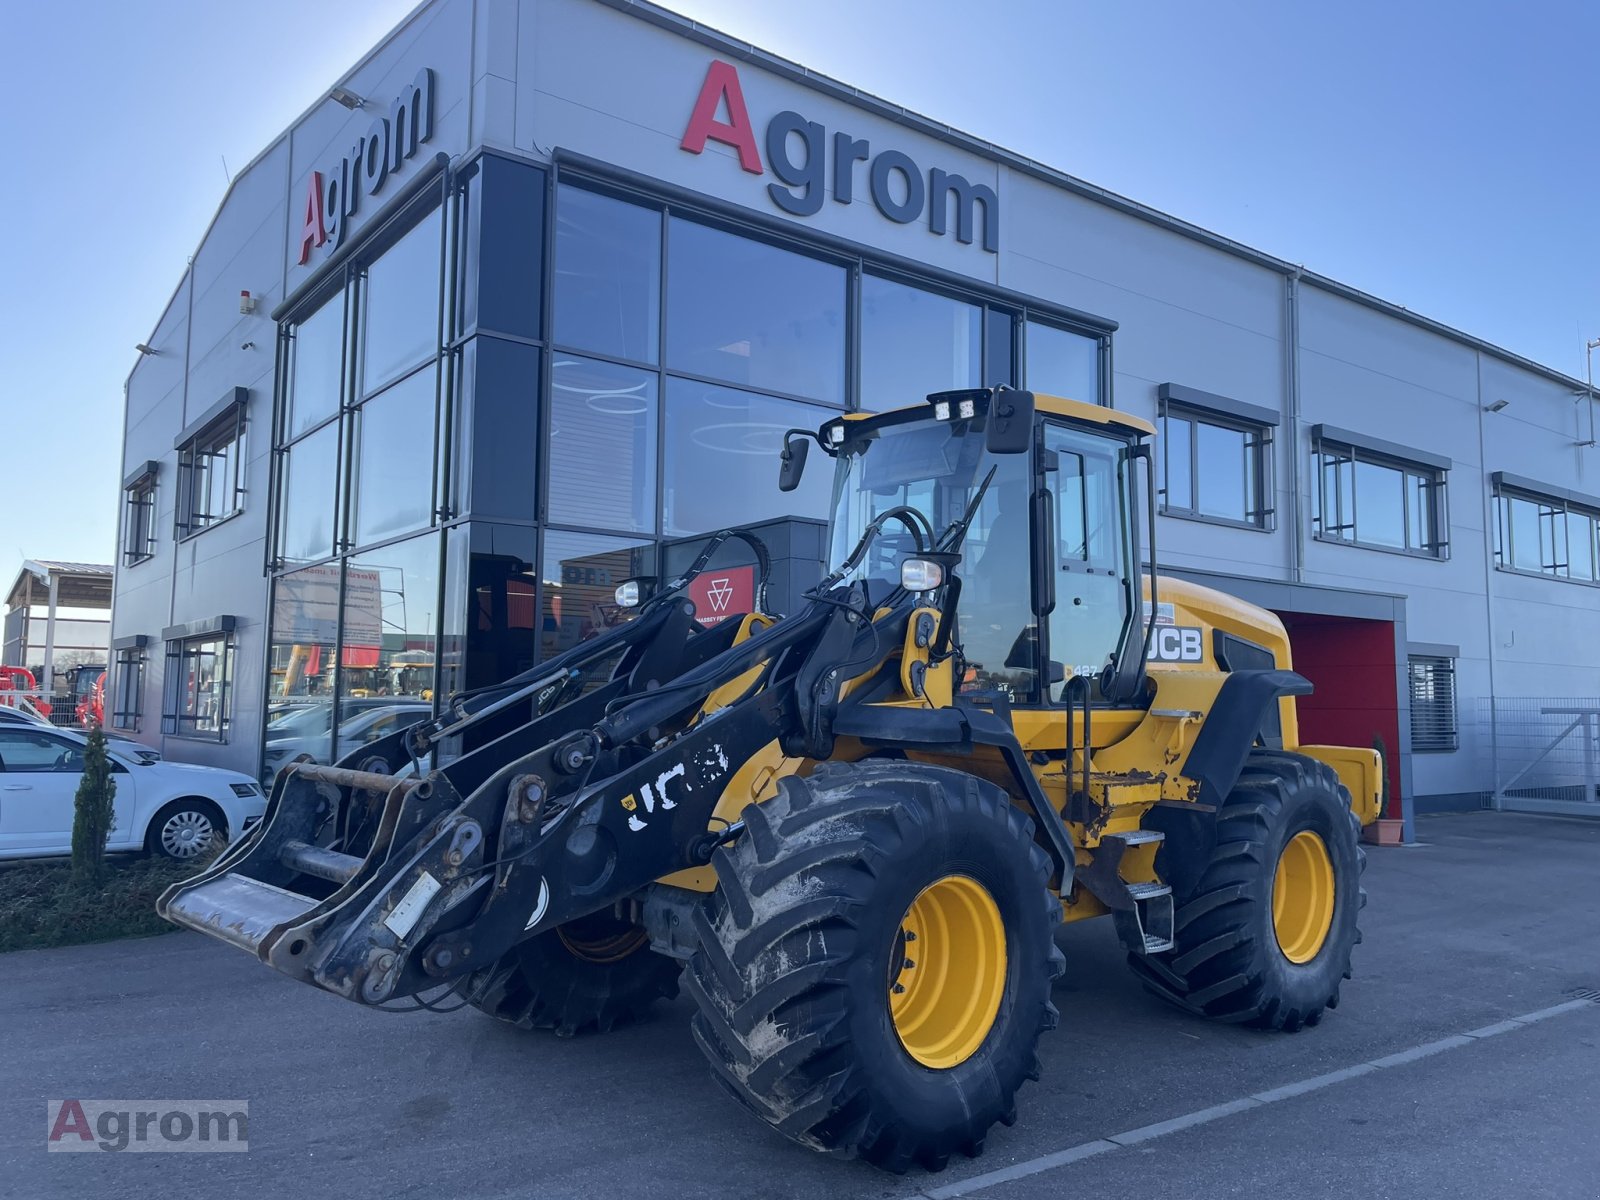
point(948, 973)
point(1302, 897)
point(607, 948)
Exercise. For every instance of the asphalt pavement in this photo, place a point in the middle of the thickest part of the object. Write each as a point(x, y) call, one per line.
point(1423, 1083)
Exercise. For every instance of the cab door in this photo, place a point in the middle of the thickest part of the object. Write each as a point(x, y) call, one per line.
point(1091, 554)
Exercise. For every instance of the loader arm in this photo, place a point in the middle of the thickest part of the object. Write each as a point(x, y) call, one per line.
point(375, 879)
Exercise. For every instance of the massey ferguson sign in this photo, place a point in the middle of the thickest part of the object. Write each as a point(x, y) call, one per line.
point(896, 184)
point(333, 195)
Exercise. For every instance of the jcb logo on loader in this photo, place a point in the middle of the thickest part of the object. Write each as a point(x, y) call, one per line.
point(1177, 643)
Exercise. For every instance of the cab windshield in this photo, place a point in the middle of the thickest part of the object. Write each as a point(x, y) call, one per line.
point(937, 468)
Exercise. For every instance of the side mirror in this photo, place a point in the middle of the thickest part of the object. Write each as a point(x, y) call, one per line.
point(1010, 428)
point(794, 463)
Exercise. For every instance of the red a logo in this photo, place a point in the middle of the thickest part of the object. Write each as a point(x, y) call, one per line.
point(312, 233)
point(722, 87)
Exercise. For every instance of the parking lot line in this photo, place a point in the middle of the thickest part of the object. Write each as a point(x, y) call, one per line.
point(1147, 1133)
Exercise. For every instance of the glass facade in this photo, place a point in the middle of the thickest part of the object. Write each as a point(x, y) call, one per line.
point(468, 460)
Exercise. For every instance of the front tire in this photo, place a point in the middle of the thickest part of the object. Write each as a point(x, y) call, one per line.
point(1266, 937)
point(589, 975)
point(874, 968)
point(184, 830)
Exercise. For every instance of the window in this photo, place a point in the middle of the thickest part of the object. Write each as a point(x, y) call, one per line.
point(1060, 363)
point(387, 652)
point(139, 521)
point(211, 474)
point(1433, 703)
point(305, 627)
point(392, 484)
point(750, 314)
point(1215, 468)
point(721, 452)
point(198, 700)
point(24, 751)
point(580, 575)
point(602, 413)
point(127, 685)
point(400, 302)
point(608, 276)
point(316, 353)
point(915, 342)
point(1371, 498)
point(1545, 534)
point(310, 475)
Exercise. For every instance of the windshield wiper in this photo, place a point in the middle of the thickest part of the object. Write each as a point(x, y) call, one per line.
point(950, 541)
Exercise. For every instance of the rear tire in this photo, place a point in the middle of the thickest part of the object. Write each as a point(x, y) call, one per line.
point(805, 940)
point(589, 975)
point(1286, 828)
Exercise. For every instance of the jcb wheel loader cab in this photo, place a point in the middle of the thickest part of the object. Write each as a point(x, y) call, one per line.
point(1266, 936)
point(874, 969)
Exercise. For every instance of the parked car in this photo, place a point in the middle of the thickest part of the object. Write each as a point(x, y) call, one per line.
point(114, 741)
point(174, 810)
point(306, 731)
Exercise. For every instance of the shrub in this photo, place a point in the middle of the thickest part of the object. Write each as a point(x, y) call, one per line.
point(92, 812)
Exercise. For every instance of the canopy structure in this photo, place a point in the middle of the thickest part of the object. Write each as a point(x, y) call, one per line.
point(53, 610)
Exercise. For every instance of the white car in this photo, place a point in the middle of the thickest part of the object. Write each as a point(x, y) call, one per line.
point(173, 810)
point(114, 741)
point(305, 731)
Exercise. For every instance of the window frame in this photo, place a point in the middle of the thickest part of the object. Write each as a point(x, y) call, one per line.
point(230, 430)
point(1436, 672)
point(1504, 536)
point(127, 686)
point(1258, 447)
point(139, 521)
point(173, 718)
point(1435, 478)
point(347, 287)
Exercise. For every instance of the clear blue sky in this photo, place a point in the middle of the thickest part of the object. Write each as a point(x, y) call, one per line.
point(1440, 156)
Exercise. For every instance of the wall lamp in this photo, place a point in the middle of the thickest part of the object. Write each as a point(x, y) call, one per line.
point(143, 349)
point(1498, 406)
point(344, 96)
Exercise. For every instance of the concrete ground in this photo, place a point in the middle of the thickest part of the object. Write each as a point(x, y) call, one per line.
point(1492, 916)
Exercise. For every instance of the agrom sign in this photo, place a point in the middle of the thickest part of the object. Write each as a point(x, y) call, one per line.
point(896, 184)
point(333, 196)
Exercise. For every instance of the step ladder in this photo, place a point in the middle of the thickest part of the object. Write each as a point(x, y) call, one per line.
point(1143, 912)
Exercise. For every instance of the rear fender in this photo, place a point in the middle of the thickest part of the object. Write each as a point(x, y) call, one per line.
point(1361, 771)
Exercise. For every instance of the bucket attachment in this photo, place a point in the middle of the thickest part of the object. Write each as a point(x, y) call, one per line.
point(293, 895)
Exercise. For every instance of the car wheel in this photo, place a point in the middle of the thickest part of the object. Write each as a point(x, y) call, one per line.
point(185, 829)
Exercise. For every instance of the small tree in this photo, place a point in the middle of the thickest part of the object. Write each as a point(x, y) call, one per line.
point(91, 821)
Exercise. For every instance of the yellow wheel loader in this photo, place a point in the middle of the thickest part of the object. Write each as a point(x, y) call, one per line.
point(852, 831)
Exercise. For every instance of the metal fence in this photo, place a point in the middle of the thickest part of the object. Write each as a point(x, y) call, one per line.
point(59, 709)
point(1543, 753)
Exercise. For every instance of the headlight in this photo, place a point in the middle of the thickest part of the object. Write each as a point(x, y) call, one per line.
point(245, 789)
point(627, 594)
point(920, 575)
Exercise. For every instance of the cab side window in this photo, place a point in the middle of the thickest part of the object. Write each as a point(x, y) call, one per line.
point(1091, 553)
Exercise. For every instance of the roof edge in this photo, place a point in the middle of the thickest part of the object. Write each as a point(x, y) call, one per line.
point(664, 18)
